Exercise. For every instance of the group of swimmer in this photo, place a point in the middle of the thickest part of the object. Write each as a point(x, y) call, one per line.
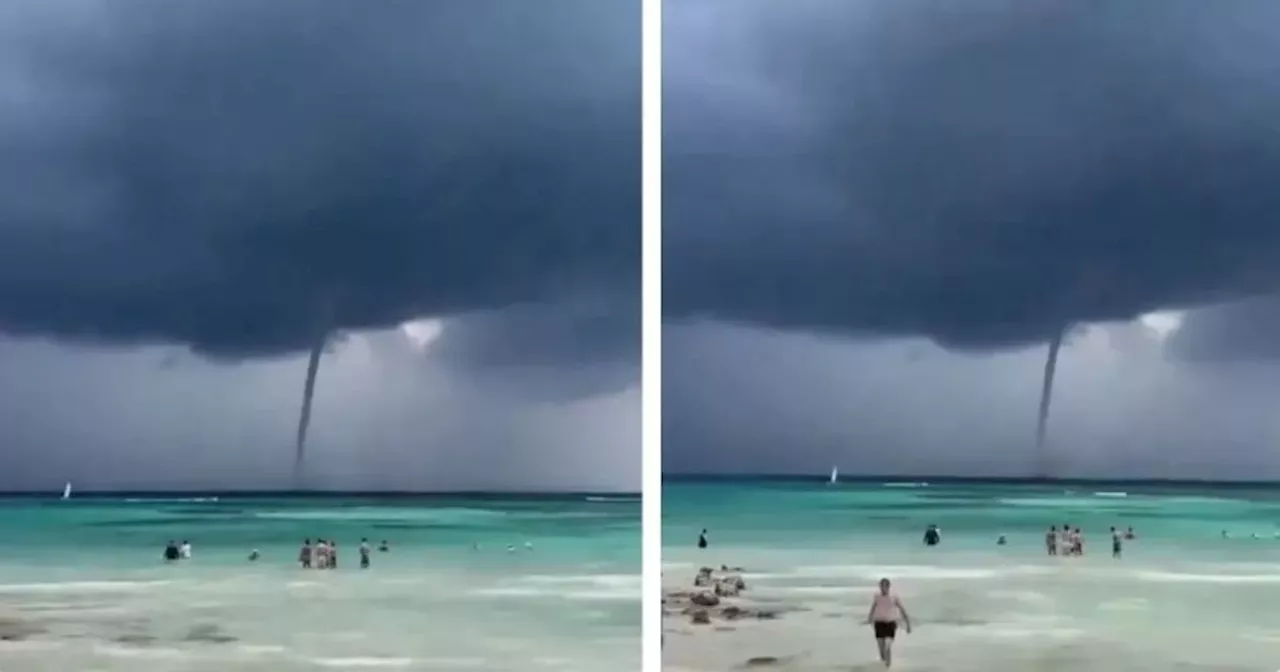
point(324, 553)
point(1068, 541)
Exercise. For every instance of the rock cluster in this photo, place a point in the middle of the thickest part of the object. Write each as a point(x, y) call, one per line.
point(713, 598)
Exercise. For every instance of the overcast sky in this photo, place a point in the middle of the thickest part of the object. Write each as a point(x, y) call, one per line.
point(877, 215)
point(193, 194)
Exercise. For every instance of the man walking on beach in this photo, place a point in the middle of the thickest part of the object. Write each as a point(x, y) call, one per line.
point(886, 611)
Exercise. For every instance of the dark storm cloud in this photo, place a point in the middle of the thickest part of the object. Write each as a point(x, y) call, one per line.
point(1235, 331)
point(578, 347)
point(591, 329)
point(238, 176)
point(980, 172)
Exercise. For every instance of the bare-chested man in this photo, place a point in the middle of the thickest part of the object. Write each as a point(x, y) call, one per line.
point(886, 610)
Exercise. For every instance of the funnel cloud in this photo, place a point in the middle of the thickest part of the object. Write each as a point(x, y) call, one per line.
point(1046, 395)
point(308, 393)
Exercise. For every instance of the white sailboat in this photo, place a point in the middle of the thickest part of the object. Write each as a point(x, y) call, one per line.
point(66, 491)
point(835, 475)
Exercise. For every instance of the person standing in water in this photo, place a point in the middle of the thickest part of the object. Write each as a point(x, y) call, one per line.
point(932, 536)
point(1117, 546)
point(886, 610)
point(1051, 540)
point(171, 552)
point(702, 539)
point(322, 554)
point(304, 554)
point(364, 554)
point(185, 550)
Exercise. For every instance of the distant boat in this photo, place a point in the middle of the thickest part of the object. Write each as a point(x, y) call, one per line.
point(835, 475)
point(66, 491)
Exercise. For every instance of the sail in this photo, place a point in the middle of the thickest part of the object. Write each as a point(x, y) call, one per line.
point(66, 491)
point(835, 474)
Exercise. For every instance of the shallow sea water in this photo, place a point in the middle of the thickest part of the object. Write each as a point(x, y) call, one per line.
point(1181, 598)
point(85, 581)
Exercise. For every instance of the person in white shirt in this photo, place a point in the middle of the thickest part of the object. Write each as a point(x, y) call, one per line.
point(886, 610)
point(184, 551)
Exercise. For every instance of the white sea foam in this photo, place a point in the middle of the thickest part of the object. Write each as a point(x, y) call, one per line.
point(81, 587)
point(382, 662)
point(920, 572)
point(1182, 577)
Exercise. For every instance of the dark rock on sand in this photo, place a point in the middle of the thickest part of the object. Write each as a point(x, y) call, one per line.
point(705, 599)
point(767, 661)
point(208, 632)
point(700, 617)
point(136, 639)
point(14, 629)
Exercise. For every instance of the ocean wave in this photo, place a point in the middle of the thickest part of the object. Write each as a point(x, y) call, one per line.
point(900, 484)
point(604, 594)
point(607, 580)
point(920, 572)
point(617, 500)
point(150, 652)
point(1050, 502)
point(1024, 632)
point(170, 500)
point(261, 649)
point(378, 662)
point(1182, 577)
point(81, 586)
point(441, 515)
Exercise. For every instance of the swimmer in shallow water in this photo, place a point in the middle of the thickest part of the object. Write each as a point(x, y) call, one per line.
point(886, 610)
point(932, 536)
point(1117, 545)
point(254, 555)
point(702, 539)
point(1002, 541)
point(1051, 540)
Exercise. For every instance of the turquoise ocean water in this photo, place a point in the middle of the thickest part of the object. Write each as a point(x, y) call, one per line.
point(1182, 597)
point(82, 585)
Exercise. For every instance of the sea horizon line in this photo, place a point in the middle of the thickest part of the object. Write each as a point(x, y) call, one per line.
point(936, 479)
